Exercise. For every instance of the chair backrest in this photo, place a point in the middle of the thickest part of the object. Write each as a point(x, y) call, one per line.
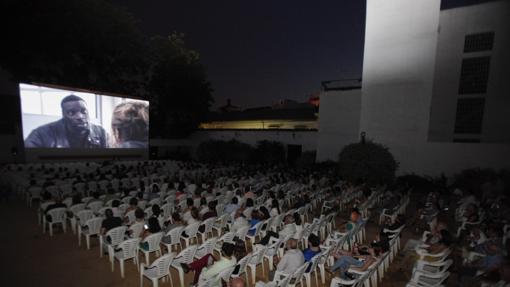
point(95, 206)
point(241, 232)
point(116, 234)
point(192, 229)
point(186, 255)
point(131, 216)
point(175, 234)
point(94, 225)
point(227, 237)
point(167, 209)
point(298, 274)
point(257, 228)
point(136, 229)
point(76, 208)
point(208, 223)
point(162, 264)
point(58, 214)
point(129, 247)
point(207, 247)
point(226, 274)
point(84, 215)
point(154, 240)
point(155, 201)
point(243, 263)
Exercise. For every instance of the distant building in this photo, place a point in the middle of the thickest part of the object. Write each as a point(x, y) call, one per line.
point(435, 87)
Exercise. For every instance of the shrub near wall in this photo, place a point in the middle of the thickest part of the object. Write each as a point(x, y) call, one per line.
point(223, 151)
point(367, 162)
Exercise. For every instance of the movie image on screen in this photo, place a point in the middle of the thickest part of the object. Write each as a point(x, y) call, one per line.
point(61, 118)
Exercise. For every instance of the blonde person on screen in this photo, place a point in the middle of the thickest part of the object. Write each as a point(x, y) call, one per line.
point(130, 125)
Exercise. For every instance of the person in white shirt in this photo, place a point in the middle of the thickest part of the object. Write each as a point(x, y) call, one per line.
point(288, 229)
point(205, 270)
point(232, 206)
point(275, 208)
point(292, 259)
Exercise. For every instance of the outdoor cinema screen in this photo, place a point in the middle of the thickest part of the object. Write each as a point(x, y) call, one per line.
point(66, 118)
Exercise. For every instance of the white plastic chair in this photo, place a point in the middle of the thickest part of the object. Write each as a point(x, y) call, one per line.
point(242, 267)
point(153, 242)
point(429, 279)
point(91, 227)
point(313, 269)
point(74, 211)
point(160, 268)
point(95, 206)
point(220, 223)
point(206, 248)
point(116, 236)
point(208, 224)
point(256, 234)
point(175, 238)
point(256, 259)
point(227, 237)
point(191, 231)
point(129, 250)
point(295, 278)
point(58, 216)
point(432, 267)
point(185, 256)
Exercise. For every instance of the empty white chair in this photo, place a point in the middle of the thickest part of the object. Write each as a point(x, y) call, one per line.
point(160, 268)
point(220, 223)
point(73, 210)
point(428, 279)
point(153, 245)
point(185, 256)
point(91, 227)
point(58, 216)
point(128, 250)
point(172, 238)
point(208, 224)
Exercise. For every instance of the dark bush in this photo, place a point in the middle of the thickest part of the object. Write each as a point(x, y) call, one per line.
point(269, 152)
point(367, 162)
point(307, 159)
point(473, 178)
point(223, 151)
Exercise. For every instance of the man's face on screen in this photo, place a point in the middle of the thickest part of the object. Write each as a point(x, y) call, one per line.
point(76, 115)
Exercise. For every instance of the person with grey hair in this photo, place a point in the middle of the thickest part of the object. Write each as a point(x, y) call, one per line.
point(292, 259)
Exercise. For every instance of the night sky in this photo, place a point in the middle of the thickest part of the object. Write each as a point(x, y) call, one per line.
point(257, 52)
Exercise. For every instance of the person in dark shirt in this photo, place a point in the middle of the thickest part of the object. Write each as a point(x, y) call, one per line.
point(314, 248)
point(73, 130)
point(110, 221)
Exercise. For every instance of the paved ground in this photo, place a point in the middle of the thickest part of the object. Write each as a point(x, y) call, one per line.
point(31, 258)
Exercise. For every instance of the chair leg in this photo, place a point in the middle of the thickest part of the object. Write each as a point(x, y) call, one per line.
point(181, 276)
point(121, 268)
point(88, 242)
point(51, 229)
point(155, 282)
point(141, 278)
point(147, 258)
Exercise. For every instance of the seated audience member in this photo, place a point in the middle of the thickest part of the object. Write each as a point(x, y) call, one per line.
point(95, 198)
point(110, 195)
point(211, 212)
point(289, 228)
point(115, 208)
point(344, 262)
point(275, 208)
point(255, 218)
point(110, 222)
point(239, 221)
point(292, 259)
point(313, 248)
point(435, 248)
point(488, 265)
point(139, 216)
point(232, 206)
point(264, 213)
point(153, 227)
point(205, 273)
point(433, 237)
point(133, 205)
point(194, 216)
point(186, 213)
point(355, 220)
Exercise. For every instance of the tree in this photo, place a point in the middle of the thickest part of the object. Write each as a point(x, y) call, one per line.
point(367, 162)
point(92, 44)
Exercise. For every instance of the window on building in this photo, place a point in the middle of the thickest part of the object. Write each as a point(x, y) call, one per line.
point(478, 42)
point(469, 117)
point(474, 75)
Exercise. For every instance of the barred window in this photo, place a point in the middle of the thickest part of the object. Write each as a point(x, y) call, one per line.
point(479, 42)
point(469, 116)
point(474, 75)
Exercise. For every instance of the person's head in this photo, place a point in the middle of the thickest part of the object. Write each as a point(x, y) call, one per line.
point(355, 215)
point(227, 249)
point(130, 122)
point(446, 237)
point(133, 201)
point(156, 211)
point(237, 282)
point(264, 212)
point(292, 243)
point(154, 225)
point(108, 213)
point(195, 213)
point(249, 202)
point(274, 204)
point(212, 205)
point(75, 113)
point(115, 203)
point(176, 217)
point(235, 200)
point(139, 214)
point(189, 202)
point(95, 195)
point(288, 219)
point(314, 240)
point(203, 201)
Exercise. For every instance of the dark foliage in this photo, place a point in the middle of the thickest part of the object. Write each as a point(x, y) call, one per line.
point(367, 162)
point(235, 151)
point(269, 152)
point(92, 44)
